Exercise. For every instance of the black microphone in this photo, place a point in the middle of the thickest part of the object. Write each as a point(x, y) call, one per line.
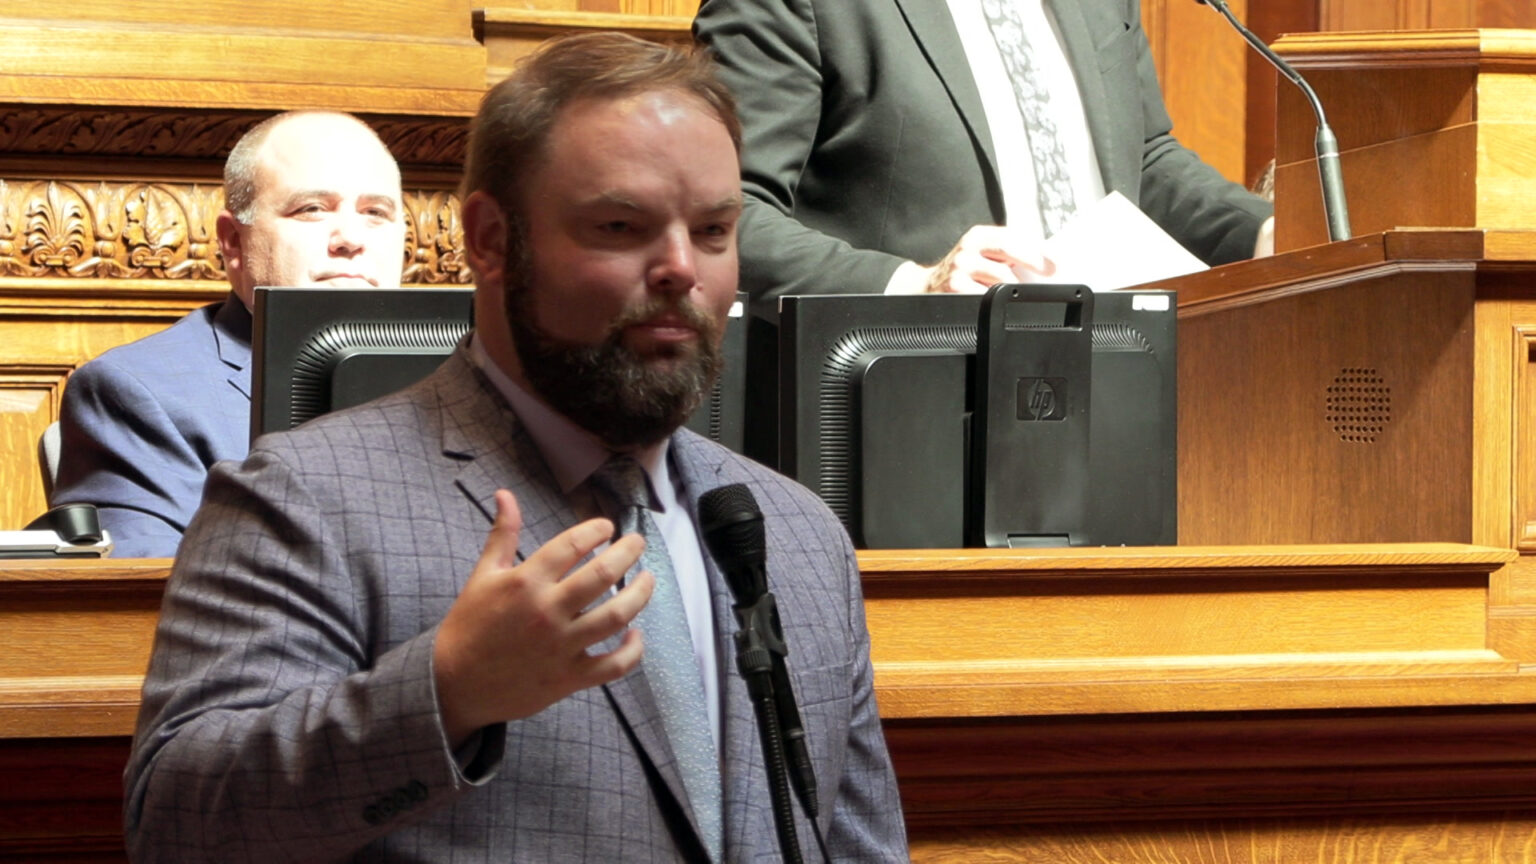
point(1327, 146)
point(733, 531)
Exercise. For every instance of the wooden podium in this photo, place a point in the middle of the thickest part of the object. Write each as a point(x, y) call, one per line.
point(1380, 389)
point(1375, 390)
point(1434, 126)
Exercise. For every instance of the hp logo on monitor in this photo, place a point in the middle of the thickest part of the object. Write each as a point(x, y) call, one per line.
point(1042, 399)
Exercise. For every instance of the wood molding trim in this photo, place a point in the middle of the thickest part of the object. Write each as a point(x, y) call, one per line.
point(194, 68)
point(1487, 49)
point(1524, 419)
point(60, 131)
point(510, 33)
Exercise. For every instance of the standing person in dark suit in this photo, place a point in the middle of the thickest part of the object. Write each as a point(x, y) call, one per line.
point(396, 633)
point(311, 198)
point(890, 145)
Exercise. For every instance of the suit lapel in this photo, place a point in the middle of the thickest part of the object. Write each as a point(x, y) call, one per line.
point(497, 452)
point(232, 339)
point(1098, 105)
point(933, 29)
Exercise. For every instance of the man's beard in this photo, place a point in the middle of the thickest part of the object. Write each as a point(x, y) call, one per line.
point(607, 389)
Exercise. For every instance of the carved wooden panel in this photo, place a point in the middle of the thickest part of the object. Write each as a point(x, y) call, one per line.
point(109, 230)
point(161, 230)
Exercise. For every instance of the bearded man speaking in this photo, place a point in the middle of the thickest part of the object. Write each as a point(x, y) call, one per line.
point(408, 631)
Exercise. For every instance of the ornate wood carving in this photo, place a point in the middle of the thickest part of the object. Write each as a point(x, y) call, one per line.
point(434, 239)
point(73, 131)
point(110, 229)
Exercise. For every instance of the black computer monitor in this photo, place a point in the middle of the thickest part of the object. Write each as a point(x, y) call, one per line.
point(316, 350)
point(875, 410)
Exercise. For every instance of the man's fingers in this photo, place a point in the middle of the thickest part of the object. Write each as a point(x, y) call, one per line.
point(986, 273)
point(1004, 245)
point(1030, 271)
point(595, 577)
point(1019, 260)
point(597, 669)
point(985, 256)
point(501, 543)
point(556, 558)
point(615, 613)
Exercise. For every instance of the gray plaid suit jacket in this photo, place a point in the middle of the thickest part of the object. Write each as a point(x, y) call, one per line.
point(289, 711)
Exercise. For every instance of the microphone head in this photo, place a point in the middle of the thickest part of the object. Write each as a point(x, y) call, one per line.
point(733, 531)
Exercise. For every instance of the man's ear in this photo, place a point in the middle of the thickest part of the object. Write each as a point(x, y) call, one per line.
point(485, 237)
point(232, 249)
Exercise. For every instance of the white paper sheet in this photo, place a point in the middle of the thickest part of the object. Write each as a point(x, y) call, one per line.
point(1111, 244)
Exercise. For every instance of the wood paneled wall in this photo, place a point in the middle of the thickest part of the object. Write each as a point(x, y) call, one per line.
point(114, 120)
point(1221, 94)
point(1338, 15)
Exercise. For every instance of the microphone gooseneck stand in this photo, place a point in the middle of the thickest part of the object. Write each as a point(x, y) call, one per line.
point(733, 530)
point(1329, 175)
point(755, 647)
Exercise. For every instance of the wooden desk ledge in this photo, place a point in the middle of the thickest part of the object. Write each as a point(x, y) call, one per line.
point(1003, 633)
point(973, 633)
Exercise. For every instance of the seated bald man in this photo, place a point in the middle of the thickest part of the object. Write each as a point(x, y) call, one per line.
point(311, 198)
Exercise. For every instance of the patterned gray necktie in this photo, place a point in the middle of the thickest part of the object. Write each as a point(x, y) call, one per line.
point(669, 663)
point(1053, 185)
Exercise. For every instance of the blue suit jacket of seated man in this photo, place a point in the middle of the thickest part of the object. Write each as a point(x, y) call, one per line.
point(141, 425)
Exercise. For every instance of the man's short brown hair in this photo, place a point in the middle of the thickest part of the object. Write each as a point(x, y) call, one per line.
point(515, 117)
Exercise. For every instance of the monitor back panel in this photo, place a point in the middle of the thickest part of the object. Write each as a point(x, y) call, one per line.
point(874, 414)
point(316, 350)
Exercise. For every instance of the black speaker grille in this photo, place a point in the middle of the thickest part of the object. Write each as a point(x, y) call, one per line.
point(1359, 405)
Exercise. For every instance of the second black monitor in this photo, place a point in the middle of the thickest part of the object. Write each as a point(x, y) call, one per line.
point(875, 410)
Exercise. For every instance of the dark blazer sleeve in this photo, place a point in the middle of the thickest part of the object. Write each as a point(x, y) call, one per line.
point(120, 450)
point(769, 55)
point(1215, 219)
